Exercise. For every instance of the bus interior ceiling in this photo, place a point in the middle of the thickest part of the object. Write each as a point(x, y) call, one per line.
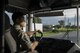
point(33, 6)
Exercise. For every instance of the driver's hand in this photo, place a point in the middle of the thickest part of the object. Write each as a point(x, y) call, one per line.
point(35, 43)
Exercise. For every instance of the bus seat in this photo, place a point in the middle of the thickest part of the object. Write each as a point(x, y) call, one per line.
point(8, 38)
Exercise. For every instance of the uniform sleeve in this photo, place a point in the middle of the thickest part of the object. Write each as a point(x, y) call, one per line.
point(24, 37)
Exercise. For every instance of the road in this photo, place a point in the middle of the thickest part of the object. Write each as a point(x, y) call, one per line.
point(70, 36)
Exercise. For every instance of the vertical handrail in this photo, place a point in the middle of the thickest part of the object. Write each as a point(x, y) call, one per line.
point(3, 26)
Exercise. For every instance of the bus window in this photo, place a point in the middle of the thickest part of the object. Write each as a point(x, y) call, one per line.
point(61, 27)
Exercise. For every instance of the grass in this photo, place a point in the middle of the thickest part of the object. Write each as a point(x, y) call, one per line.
point(47, 33)
point(65, 29)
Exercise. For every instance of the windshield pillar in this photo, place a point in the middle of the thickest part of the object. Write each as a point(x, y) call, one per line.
point(30, 21)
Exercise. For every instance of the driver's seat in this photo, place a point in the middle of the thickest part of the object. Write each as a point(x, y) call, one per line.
point(8, 37)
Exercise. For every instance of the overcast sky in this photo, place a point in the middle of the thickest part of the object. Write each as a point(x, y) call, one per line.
point(69, 14)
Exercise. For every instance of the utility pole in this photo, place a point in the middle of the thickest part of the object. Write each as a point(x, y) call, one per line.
point(77, 11)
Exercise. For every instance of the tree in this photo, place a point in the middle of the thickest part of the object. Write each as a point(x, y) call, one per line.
point(57, 26)
point(37, 20)
point(61, 23)
point(74, 26)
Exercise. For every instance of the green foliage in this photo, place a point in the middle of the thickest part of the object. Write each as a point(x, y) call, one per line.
point(62, 30)
point(47, 28)
point(61, 22)
point(46, 34)
point(37, 20)
point(55, 31)
point(57, 26)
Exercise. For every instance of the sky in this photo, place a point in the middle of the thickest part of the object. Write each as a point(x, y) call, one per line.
point(69, 14)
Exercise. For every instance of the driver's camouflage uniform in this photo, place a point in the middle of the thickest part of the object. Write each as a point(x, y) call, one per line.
point(22, 39)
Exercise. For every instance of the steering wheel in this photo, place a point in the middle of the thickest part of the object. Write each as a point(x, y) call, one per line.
point(38, 38)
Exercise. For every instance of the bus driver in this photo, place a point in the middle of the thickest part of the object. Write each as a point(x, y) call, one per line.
point(22, 38)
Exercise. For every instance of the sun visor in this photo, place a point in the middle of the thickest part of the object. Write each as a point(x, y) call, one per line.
point(48, 14)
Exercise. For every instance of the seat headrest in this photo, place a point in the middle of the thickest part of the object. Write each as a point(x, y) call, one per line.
point(7, 22)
